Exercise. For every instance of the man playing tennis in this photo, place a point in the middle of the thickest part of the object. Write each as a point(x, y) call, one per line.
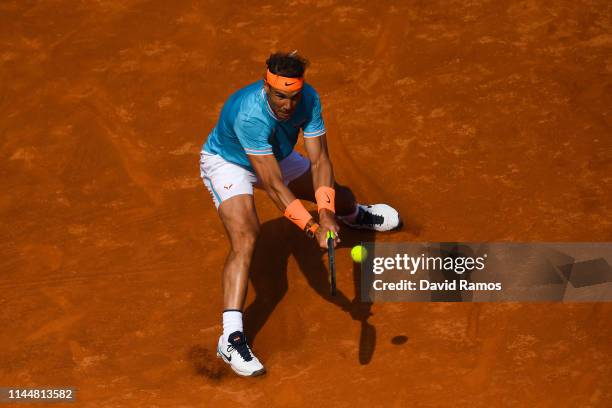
point(252, 145)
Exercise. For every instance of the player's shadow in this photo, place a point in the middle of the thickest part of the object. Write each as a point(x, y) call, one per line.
point(278, 240)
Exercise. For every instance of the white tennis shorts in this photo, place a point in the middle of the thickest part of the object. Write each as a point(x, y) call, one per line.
point(225, 180)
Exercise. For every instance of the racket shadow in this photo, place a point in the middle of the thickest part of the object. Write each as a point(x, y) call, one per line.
point(278, 240)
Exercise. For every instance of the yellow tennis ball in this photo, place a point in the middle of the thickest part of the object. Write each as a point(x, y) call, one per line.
point(359, 253)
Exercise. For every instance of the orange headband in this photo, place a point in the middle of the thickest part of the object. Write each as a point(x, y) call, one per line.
point(284, 83)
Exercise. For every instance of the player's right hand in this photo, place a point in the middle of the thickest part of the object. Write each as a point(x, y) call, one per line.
point(327, 222)
point(321, 237)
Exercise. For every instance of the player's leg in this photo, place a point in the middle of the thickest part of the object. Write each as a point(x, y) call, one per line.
point(377, 217)
point(242, 226)
point(232, 193)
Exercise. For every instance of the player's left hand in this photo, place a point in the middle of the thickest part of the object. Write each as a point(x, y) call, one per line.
point(327, 222)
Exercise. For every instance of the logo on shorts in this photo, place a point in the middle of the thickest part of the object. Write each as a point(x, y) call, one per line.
point(228, 186)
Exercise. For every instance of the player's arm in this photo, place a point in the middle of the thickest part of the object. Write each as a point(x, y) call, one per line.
point(269, 174)
point(321, 167)
point(322, 181)
point(254, 134)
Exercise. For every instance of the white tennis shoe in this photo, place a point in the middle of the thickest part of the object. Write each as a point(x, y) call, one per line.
point(239, 356)
point(376, 217)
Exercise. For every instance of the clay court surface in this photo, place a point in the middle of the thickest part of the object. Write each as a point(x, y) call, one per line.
point(479, 121)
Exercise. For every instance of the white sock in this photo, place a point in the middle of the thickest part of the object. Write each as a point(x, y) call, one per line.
point(351, 217)
point(232, 322)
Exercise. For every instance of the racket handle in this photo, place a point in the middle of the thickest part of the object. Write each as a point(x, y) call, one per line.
point(332, 263)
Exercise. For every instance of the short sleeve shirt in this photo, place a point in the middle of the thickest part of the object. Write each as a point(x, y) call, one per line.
point(247, 126)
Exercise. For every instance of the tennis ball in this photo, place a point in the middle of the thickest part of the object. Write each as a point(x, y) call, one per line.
point(359, 253)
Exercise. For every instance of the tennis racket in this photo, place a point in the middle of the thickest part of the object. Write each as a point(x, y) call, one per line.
point(332, 263)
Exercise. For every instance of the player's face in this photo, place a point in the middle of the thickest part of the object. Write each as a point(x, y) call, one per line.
point(283, 103)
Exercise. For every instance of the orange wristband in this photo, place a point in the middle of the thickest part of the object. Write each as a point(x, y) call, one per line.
point(326, 198)
point(298, 214)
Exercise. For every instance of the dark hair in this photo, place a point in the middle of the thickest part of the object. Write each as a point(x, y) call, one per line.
point(287, 64)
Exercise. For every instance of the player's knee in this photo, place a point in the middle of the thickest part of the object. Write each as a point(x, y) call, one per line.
point(345, 200)
point(344, 195)
point(243, 242)
point(343, 190)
